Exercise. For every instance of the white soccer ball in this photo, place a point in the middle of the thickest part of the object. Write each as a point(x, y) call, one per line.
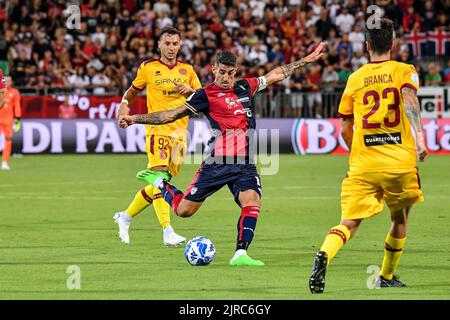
point(199, 251)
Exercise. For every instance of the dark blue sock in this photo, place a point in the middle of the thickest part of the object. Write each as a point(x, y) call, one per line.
point(171, 194)
point(246, 226)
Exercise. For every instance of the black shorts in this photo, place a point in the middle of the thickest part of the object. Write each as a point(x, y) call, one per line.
point(212, 177)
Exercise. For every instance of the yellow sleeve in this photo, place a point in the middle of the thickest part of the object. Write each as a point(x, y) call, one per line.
point(409, 78)
point(194, 81)
point(346, 104)
point(140, 82)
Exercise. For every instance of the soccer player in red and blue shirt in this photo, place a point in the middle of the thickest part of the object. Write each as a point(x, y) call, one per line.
point(227, 104)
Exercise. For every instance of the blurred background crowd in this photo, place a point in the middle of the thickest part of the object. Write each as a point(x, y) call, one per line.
point(102, 54)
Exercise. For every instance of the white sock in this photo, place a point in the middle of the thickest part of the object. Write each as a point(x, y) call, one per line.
point(168, 230)
point(158, 182)
point(239, 253)
point(125, 217)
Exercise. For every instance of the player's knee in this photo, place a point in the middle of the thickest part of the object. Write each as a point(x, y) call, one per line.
point(352, 225)
point(185, 212)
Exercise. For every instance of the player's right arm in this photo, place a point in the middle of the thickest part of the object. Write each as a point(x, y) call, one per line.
point(345, 112)
point(137, 86)
point(347, 131)
point(127, 98)
point(161, 117)
point(412, 110)
point(196, 103)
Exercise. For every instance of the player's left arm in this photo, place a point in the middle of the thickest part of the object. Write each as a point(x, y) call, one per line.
point(285, 71)
point(161, 117)
point(412, 109)
point(17, 112)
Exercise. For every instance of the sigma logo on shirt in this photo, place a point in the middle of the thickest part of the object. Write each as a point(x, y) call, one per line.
point(193, 190)
point(220, 94)
point(167, 81)
point(382, 139)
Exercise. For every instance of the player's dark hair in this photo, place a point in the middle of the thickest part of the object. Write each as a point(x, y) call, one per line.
point(227, 58)
point(170, 31)
point(381, 38)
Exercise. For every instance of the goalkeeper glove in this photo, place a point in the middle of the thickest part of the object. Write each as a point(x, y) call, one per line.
point(16, 127)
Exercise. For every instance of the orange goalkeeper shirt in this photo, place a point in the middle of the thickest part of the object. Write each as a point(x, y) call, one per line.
point(11, 109)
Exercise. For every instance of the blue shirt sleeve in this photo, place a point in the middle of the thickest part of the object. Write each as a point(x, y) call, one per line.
point(198, 102)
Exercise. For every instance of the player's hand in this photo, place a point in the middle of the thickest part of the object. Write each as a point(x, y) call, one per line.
point(184, 89)
point(126, 121)
point(317, 54)
point(17, 125)
point(421, 151)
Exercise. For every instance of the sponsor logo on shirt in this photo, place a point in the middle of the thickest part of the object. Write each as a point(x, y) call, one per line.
point(382, 139)
point(246, 111)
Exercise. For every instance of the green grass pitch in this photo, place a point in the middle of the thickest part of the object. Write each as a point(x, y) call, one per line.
point(56, 211)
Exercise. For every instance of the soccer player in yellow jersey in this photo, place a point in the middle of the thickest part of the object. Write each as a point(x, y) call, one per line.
point(380, 102)
point(168, 83)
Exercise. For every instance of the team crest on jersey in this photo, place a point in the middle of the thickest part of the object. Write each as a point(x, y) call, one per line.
point(158, 73)
point(231, 102)
point(163, 155)
point(182, 71)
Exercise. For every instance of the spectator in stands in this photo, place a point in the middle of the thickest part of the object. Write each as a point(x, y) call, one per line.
point(345, 48)
point(429, 16)
point(261, 99)
point(297, 84)
point(19, 68)
point(433, 77)
point(257, 56)
point(344, 73)
point(446, 73)
point(313, 80)
point(357, 38)
point(100, 82)
point(324, 24)
point(330, 78)
point(358, 60)
point(66, 109)
point(405, 57)
point(79, 81)
point(161, 6)
point(442, 22)
point(345, 21)
point(410, 19)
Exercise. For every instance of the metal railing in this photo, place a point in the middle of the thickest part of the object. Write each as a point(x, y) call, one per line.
point(282, 104)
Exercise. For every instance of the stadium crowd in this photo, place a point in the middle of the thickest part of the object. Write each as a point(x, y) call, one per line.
point(41, 50)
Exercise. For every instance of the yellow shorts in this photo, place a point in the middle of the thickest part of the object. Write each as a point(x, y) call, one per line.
point(165, 151)
point(363, 193)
